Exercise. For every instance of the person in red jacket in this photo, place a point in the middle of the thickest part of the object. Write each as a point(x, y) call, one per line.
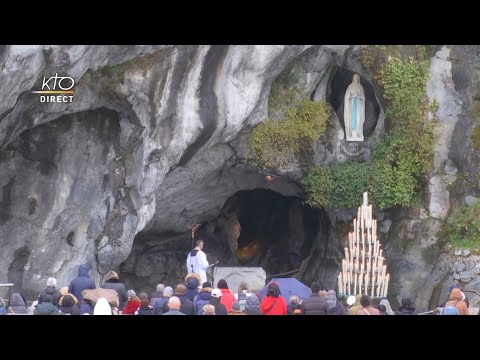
point(273, 303)
point(133, 303)
point(227, 298)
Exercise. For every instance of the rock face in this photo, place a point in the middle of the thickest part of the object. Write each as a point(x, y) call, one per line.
point(79, 180)
point(155, 140)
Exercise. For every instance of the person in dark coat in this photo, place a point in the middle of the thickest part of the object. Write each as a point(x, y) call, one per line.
point(252, 305)
point(215, 300)
point(315, 304)
point(145, 307)
point(382, 309)
point(17, 304)
point(192, 281)
point(85, 307)
point(113, 282)
point(158, 294)
point(334, 306)
point(46, 308)
point(81, 282)
point(50, 294)
point(407, 308)
point(161, 303)
point(67, 303)
point(186, 305)
point(203, 297)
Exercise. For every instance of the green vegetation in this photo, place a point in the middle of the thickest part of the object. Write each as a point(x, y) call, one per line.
point(274, 143)
point(402, 157)
point(476, 138)
point(464, 230)
point(474, 110)
point(285, 92)
point(115, 75)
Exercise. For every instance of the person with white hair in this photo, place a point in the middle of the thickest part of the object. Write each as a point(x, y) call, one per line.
point(157, 294)
point(174, 305)
point(133, 303)
point(161, 303)
point(102, 307)
point(208, 310)
point(50, 294)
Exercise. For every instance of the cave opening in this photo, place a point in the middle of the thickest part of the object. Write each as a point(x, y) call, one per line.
point(254, 228)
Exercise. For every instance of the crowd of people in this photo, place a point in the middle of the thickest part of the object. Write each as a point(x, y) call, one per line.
point(191, 297)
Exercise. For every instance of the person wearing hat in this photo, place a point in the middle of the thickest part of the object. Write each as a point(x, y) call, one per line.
point(81, 282)
point(113, 282)
point(356, 305)
point(350, 302)
point(203, 297)
point(220, 309)
point(236, 309)
point(17, 304)
point(66, 304)
point(192, 281)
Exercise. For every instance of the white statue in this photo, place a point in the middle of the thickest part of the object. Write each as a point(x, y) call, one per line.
point(354, 110)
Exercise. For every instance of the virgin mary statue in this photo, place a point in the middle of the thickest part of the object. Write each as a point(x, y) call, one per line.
point(354, 110)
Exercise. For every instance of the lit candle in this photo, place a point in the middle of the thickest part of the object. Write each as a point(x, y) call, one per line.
point(360, 281)
point(367, 281)
point(356, 282)
point(385, 290)
point(339, 280)
point(348, 292)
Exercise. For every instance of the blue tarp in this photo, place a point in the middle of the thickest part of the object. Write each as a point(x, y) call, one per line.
point(289, 287)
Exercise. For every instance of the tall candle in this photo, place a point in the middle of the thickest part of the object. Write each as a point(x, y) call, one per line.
point(367, 281)
point(357, 279)
point(385, 290)
point(360, 282)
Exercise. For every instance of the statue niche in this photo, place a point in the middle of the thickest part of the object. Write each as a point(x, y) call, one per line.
point(354, 110)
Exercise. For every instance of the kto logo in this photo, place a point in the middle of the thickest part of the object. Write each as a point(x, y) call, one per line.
point(60, 85)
